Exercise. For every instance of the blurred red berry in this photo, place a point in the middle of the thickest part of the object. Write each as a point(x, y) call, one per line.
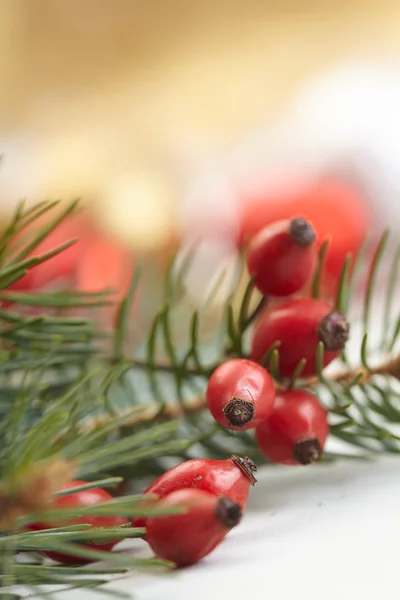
point(61, 266)
point(94, 263)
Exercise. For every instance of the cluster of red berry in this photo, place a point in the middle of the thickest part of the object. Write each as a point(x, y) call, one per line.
point(211, 493)
point(290, 425)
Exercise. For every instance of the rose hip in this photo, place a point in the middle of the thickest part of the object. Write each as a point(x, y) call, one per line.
point(296, 431)
point(82, 499)
point(240, 394)
point(299, 325)
point(337, 210)
point(231, 478)
point(282, 257)
point(186, 538)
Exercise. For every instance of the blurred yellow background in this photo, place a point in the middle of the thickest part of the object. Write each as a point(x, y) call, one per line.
point(106, 98)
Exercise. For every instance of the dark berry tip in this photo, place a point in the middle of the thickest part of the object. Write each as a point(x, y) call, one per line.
point(248, 467)
point(228, 512)
point(307, 452)
point(239, 412)
point(333, 330)
point(301, 232)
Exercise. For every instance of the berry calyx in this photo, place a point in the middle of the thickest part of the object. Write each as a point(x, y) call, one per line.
point(239, 412)
point(282, 257)
point(299, 326)
point(188, 537)
point(333, 330)
point(247, 465)
point(228, 513)
point(296, 431)
point(302, 232)
point(231, 478)
point(308, 451)
point(240, 394)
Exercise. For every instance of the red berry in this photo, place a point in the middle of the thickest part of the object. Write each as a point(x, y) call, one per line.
point(231, 478)
point(240, 394)
point(186, 538)
point(299, 325)
point(282, 257)
point(337, 209)
point(78, 500)
point(296, 431)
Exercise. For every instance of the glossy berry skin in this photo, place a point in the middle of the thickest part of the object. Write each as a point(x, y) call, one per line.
point(78, 500)
point(282, 257)
point(299, 325)
point(231, 478)
point(296, 431)
point(187, 538)
point(240, 394)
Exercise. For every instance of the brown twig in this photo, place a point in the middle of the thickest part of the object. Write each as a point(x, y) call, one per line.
point(390, 367)
point(175, 410)
point(172, 411)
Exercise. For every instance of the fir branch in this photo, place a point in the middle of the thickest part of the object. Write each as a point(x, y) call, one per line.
point(246, 319)
point(73, 393)
point(316, 284)
point(43, 233)
point(359, 376)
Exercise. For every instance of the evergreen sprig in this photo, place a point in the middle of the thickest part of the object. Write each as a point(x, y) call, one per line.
point(357, 393)
point(75, 399)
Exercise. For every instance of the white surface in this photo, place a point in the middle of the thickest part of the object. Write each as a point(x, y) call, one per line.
point(313, 533)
